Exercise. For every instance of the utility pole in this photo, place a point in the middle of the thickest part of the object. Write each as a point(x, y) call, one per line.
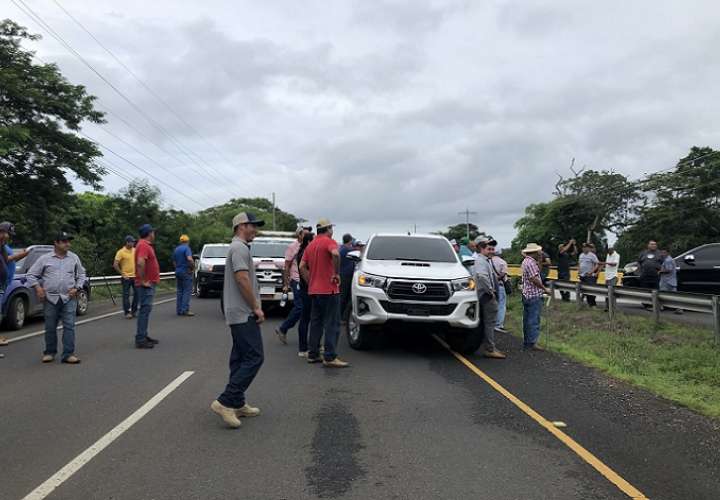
point(273, 196)
point(467, 213)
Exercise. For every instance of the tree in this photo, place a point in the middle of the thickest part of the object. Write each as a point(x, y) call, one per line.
point(683, 208)
point(40, 113)
point(459, 231)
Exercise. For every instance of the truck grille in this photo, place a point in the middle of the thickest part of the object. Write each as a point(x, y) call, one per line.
point(418, 309)
point(413, 290)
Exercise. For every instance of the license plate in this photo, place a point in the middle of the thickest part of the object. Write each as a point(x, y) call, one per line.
point(267, 290)
point(418, 311)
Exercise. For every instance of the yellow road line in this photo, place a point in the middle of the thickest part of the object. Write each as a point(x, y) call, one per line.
point(591, 459)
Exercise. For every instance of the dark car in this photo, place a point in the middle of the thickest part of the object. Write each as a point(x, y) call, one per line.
point(698, 270)
point(20, 301)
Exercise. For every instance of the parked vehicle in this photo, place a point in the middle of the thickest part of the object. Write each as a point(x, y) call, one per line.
point(413, 279)
point(698, 270)
point(268, 251)
point(20, 301)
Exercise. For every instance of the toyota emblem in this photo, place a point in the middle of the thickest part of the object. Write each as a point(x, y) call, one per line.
point(419, 288)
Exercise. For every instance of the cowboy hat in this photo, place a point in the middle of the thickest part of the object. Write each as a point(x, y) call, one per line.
point(531, 248)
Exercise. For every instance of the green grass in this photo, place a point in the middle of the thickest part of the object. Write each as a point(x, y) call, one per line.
point(676, 361)
point(100, 291)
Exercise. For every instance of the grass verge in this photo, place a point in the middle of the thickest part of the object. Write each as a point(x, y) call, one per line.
point(676, 361)
point(101, 292)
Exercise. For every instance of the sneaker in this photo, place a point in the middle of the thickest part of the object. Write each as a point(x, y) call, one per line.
point(189, 313)
point(71, 360)
point(315, 359)
point(129, 316)
point(282, 337)
point(247, 411)
point(678, 311)
point(494, 354)
point(336, 363)
point(227, 414)
point(152, 340)
point(500, 329)
point(48, 358)
point(303, 354)
point(146, 344)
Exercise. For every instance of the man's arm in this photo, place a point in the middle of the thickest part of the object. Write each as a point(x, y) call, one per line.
point(140, 270)
point(482, 278)
point(336, 264)
point(242, 279)
point(17, 256)
point(116, 266)
point(304, 271)
point(286, 275)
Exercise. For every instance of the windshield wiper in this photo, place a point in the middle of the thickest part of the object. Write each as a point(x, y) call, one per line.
point(415, 260)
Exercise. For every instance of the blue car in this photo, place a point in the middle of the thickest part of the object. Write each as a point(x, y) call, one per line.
point(20, 301)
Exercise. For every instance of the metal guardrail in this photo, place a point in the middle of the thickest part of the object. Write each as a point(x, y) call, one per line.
point(117, 280)
point(697, 302)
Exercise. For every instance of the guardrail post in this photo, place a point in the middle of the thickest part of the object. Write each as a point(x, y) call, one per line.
point(656, 306)
point(716, 317)
point(552, 293)
point(611, 306)
point(578, 294)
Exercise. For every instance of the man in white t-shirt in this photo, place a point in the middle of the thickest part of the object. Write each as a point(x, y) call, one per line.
point(612, 262)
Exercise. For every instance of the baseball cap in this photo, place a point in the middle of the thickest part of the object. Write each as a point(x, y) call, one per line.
point(63, 236)
point(184, 238)
point(486, 240)
point(246, 218)
point(129, 239)
point(145, 229)
point(322, 223)
point(8, 227)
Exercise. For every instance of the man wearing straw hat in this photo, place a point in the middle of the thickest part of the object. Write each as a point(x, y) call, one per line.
point(532, 296)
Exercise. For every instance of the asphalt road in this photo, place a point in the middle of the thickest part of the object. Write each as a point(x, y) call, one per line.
point(408, 421)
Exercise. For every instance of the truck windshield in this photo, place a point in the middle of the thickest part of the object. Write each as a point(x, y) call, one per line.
point(411, 249)
point(263, 249)
point(215, 252)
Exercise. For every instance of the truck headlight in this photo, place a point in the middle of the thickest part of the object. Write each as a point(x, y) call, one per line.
point(463, 284)
point(206, 267)
point(371, 281)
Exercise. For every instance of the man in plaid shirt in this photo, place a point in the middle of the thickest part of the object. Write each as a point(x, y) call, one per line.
point(532, 296)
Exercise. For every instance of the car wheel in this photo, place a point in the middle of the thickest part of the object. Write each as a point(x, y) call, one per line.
point(360, 337)
point(83, 302)
point(202, 292)
point(465, 340)
point(17, 313)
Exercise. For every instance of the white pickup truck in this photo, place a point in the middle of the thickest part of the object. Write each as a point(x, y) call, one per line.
point(413, 279)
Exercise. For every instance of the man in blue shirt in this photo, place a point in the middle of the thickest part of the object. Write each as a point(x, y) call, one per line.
point(184, 266)
point(7, 265)
point(347, 269)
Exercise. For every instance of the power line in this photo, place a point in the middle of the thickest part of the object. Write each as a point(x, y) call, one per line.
point(45, 26)
point(140, 81)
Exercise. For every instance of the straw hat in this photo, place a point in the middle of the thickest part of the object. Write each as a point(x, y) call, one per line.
point(531, 248)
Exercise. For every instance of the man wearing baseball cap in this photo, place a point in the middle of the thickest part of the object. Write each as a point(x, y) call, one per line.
point(57, 277)
point(243, 314)
point(8, 258)
point(487, 289)
point(124, 264)
point(147, 276)
point(320, 268)
point(184, 267)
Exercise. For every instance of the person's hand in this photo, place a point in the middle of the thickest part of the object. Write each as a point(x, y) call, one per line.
point(259, 315)
point(40, 291)
point(72, 293)
point(146, 284)
point(285, 289)
point(335, 279)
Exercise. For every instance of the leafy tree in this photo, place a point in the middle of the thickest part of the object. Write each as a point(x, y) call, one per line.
point(459, 231)
point(40, 111)
point(683, 210)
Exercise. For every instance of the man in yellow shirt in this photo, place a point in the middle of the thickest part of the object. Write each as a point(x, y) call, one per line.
point(125, 265)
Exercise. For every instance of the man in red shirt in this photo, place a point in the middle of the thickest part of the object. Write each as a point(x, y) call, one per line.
point(320, 268)
point(147, 276)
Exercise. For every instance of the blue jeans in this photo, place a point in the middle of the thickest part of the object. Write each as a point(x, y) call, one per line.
point(324, 319)
point(532, 308)
point(296, 312)
point(246, 358)
point(502, 306)
point(127, 285)
point(183, 282)
point(304, 326)
point(53, 314)
point(145, 297)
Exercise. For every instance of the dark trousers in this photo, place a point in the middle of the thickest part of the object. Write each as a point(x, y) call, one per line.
point(325, 320)
point(55, 313)
point(565, 296)
point(590, 280)
point(296, 311)
point(651, 283)
point(128, 284)
point(246, 358)
point(304, 326)
point(345, 296)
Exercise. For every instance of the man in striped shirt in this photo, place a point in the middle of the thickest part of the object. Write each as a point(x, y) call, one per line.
point(532, 296)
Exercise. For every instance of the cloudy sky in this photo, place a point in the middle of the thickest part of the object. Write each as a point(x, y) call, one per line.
point(387, 114)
